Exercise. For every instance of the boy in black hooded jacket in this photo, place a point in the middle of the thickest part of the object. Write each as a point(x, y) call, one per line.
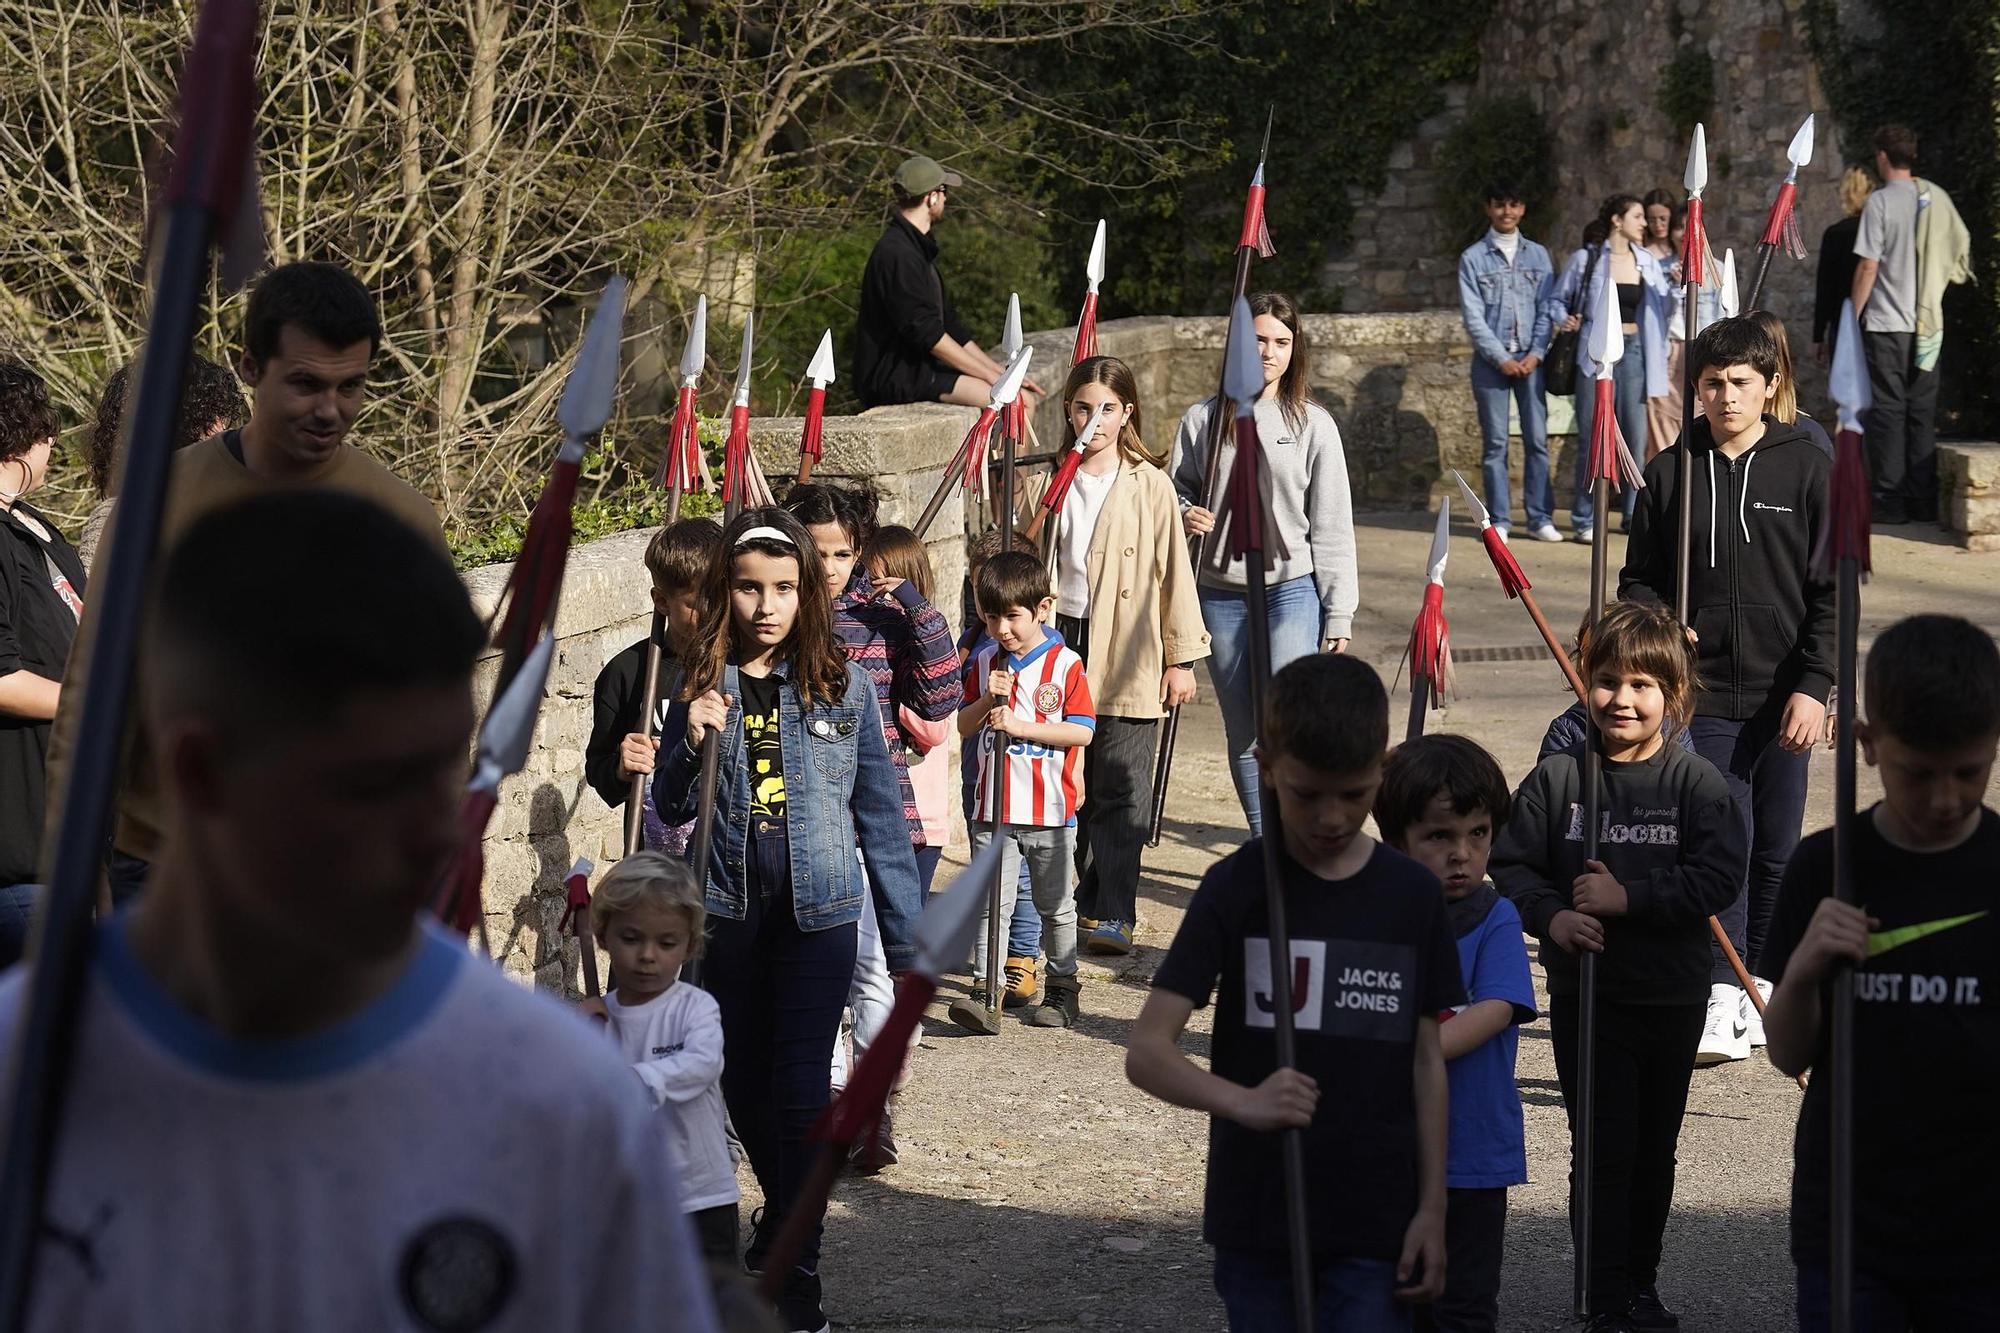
point(1762, 621)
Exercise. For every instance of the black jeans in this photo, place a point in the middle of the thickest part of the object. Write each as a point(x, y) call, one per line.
point(1767, 785)
point(781, 990)
point(1901, 432)
point(1645, 1057)
point(715, 1232)
point(1475, 1233)
point(1935, 1300)
point(1111, 826)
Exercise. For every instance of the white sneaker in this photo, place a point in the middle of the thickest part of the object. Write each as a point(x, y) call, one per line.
point(1547, 533)
point(1584, 535)
point(1725, 1036)
point(1502, 531)
point(1753, 1021)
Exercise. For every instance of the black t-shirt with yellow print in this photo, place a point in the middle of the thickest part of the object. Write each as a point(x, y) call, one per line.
point(765, 753)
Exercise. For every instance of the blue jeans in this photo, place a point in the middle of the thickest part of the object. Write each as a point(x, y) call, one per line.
point(1491, 394)
point(1628, 380)
point(1295, 620)
point(1933, 1301)
point(17, 918)
point(1024, 932)
point(1349, 1295)
point(780, 990)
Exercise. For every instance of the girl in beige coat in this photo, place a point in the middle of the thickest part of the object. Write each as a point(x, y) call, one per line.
point(1126, 602)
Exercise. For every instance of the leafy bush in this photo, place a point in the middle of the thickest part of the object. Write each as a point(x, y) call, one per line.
point(1687, 89)
point(1500, 139)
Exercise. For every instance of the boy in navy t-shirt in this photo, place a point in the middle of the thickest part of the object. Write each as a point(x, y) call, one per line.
point(1373, 965)
point(1441, 799)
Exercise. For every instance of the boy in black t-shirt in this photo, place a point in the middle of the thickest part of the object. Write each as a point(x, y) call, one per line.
point(619, 748)
point(1373, 963)
point(1925, 946)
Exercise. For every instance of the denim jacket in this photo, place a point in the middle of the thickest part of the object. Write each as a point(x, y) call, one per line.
point(1506, 306)
point(840, 792)
point(1656, 298)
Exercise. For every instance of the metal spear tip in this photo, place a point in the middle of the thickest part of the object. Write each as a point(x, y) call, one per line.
point(820, 371)
point(1696, 179)
point(509, 730)
point(1847, 378)
point(1242, 367)
point(1093, 268)
point(742, 397)
point(1441, 541)
point(1009, 387)
point(1732, 302)
point(1473, 502)
point(1607, 332)
point(1091, 427)
point(582, 867)
point(1799, 154)
point(1011, 337)
point(946, 929)
point(593, 380)
point(695, 350)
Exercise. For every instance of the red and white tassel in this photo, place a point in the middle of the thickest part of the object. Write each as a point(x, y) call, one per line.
point(1848, 496)
point(854, 1114)
point(1059, 484)
point(973, 451)
point(1086, 330)
point(1256, 232)
point(1697, 260)
point(1246, 500)
point(460, 905)
point(735, 452)
point(1609, 457)
point(1513, 579)
point(1781, 228)
point(1430, 645)
point(673, 471)
point(812, 437)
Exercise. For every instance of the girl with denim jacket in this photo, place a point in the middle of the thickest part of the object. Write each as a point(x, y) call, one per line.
point(805, 780)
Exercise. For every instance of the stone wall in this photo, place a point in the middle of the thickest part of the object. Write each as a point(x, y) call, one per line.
point(1594, 71)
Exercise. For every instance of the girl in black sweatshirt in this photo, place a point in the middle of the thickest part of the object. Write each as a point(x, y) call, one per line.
point(1670, 853)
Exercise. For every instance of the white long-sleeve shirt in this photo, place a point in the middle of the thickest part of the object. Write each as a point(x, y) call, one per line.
point(674, 1042)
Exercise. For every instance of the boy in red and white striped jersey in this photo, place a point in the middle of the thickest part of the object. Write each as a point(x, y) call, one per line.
point(1027, 690)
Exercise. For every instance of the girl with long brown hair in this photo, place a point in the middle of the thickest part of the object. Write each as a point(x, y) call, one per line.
point(1312, 593)
point(805, 780)
point(1126, 602)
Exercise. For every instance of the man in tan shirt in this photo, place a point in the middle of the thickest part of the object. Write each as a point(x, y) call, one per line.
point(309, 335)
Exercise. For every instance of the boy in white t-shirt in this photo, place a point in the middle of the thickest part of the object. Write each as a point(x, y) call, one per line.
point(293, 1101)
point(1037, 697)
point(649, 915)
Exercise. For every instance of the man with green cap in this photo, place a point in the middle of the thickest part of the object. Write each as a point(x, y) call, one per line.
point(909, 344)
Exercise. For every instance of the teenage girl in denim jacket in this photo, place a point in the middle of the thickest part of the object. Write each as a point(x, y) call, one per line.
point(805, 779)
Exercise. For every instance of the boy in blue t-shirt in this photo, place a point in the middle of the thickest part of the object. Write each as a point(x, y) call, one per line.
point(1441, 799)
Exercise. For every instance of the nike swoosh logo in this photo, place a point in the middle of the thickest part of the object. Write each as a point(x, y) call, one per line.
point(1741, 1028)
point(1881, 941)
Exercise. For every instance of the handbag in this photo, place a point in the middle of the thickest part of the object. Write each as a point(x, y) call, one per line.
point(1559, 366)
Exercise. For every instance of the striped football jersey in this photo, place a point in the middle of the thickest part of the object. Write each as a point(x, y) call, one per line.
point(1041, 785)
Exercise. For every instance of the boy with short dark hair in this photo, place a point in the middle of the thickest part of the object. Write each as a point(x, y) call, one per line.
point(1373, 965)
point(1762, 624)
point(1038, 698)
point(1924, 943)
point(284, 1065)
point(1505, 285)
point(1441, 801)
point(618, 750)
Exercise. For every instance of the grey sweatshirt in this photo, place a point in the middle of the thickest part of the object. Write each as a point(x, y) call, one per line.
point(1309, 504)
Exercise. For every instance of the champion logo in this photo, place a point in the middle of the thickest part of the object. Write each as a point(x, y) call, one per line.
point(1776, 509)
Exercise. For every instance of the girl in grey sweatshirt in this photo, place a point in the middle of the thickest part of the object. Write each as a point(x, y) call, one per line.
point(1312, 590)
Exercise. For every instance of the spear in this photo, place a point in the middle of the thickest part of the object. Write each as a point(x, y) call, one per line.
point(1843, 555)
point(576, 920)
point(820, 372)
point(1242, 381)
point(1086, 323)
point(945, 933)
point(680, 466)
point(964, 467)
point(1065, 474)
point(736, 451)
point(1013, 417)
point(1253, 240)
point(1514, 582)
point(1782, 226)
point(1430, 641)
point(1695, 259)
point(1610, 461)
point(997, 752)
point(210, 191)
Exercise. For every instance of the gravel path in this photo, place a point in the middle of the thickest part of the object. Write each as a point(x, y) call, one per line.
point(1038, 1190)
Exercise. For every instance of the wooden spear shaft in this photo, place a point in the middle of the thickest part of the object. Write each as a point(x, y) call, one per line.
point(1840, 1053)
point(1584, 1139)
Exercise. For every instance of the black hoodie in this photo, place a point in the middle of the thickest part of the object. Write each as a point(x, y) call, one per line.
point(1765, 620)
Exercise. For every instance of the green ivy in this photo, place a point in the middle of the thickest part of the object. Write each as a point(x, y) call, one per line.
point(1501, 139)
point(612, 497)
point(1687, 89)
